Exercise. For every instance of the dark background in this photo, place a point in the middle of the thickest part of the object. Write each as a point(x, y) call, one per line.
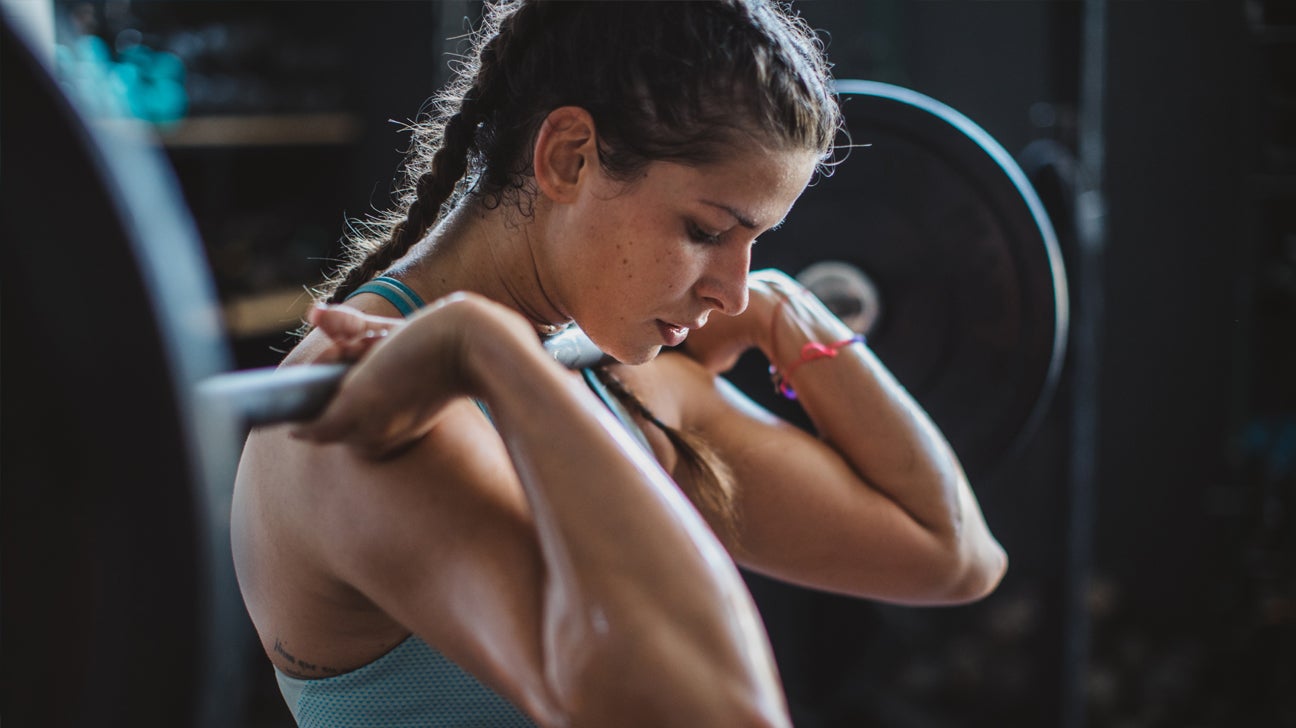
point(1149, 519)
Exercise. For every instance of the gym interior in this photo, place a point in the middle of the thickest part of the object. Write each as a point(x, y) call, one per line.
point(1073, 221)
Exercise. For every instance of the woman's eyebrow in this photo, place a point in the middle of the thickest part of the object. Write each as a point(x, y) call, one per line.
point(742, 219)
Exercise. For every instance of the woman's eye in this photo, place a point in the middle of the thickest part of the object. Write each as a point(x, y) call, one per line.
point(698, 235)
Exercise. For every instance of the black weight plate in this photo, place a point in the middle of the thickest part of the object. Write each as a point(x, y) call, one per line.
point(118, 596)
point(973, 292)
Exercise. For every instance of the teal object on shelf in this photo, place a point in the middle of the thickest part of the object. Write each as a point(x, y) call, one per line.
point(140, 83)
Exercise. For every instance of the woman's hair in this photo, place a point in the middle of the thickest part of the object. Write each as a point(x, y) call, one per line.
point(683, 81)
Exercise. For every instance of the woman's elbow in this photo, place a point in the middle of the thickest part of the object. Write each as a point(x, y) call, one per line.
point(979, 574)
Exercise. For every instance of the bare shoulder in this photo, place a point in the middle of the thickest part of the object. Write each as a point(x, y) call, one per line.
point(359, 515)
point(344, 554)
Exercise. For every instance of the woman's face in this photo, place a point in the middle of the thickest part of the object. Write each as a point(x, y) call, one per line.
point(638, 265)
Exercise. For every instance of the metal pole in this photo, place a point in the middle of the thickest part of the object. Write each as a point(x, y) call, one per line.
point(1091, 232)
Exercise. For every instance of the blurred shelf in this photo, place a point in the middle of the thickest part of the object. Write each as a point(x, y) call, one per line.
point(262, 130)
point(276, 311)
point(257, 130)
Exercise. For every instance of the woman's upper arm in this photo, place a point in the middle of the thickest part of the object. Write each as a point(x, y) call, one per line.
point(441, 540)
point(805, 516)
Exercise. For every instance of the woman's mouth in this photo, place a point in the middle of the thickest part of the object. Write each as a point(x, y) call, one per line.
point(672, 334)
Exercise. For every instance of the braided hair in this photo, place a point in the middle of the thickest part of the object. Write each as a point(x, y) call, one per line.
point(687, 82)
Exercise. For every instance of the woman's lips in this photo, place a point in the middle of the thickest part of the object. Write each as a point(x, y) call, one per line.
point(672, 334)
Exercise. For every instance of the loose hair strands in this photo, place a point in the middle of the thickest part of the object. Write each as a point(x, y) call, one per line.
point(686, 81)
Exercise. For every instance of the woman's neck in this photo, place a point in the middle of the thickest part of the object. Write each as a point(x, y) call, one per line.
point(489, 251)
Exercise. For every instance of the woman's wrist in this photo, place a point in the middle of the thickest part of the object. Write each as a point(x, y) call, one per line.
point(498, 361)
point(802, 330)
point(798, 319)
point(487, 344)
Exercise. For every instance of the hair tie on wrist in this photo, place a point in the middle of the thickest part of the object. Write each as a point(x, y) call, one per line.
point(811, 351)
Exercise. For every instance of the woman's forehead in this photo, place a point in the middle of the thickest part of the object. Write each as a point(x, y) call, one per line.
point(754, 187)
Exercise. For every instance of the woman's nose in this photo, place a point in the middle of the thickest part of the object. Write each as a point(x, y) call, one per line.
point(724, 285)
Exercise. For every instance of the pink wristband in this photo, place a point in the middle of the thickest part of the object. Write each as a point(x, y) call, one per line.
point(811, 351)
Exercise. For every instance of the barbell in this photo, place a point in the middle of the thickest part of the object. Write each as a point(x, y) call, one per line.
point(124, 419)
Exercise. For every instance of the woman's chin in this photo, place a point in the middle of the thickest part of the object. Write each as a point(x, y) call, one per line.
point(625, 348)
point(635, 356)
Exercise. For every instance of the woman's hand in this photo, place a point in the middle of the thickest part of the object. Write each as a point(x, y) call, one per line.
point(351, 332)
point(407, 370)
point(719, 344)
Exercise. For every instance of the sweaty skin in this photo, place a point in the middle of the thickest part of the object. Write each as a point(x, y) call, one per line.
point(544, 550)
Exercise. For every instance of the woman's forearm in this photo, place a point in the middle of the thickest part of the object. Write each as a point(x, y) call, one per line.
point(865, 414)
point(640, 596)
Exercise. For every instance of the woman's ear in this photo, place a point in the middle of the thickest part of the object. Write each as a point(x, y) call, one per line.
point(566, 152)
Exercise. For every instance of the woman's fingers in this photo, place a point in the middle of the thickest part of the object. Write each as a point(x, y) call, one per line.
point(719, 344)
point(407, 370)
point(341, 425)
point(324, 428)
point(363, 416)
point(351, 332)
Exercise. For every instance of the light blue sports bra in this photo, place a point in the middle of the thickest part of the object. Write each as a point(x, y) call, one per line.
point(413, 685)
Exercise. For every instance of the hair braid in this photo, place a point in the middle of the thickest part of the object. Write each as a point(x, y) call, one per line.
point(430, 191)
point(431, 180)
point(711, 487)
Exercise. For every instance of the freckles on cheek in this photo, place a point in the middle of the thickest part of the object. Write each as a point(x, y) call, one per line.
point(674, 265)
point(627, 269)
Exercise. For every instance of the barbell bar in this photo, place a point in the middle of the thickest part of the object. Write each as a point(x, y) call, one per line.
point(272, 395)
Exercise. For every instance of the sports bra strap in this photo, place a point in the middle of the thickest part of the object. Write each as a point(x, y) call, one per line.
point(397, 294)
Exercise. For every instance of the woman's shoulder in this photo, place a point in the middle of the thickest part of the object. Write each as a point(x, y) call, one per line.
point(341, 506)
point(353, 543)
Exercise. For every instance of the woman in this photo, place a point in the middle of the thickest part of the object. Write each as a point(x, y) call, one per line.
point(473, 533)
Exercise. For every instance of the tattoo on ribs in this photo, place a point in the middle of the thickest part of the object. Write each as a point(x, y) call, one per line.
point(302, 669)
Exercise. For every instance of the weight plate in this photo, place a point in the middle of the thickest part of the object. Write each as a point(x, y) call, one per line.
point(968, 295)
point(120, 606)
